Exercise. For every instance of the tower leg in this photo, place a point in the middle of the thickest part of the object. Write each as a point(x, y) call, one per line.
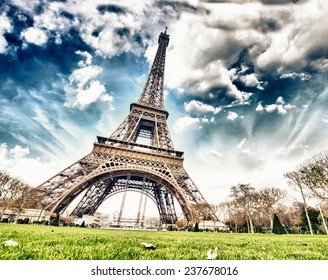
point(121, 209)
point(144, 211)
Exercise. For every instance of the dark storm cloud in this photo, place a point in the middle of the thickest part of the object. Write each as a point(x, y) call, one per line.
point(179, 7)
point(67, 15)
point(111, 9)
point(272, 21)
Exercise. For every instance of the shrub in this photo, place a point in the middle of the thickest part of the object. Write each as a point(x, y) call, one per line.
point(278, 228)
point(196, 228)
point(55, 221)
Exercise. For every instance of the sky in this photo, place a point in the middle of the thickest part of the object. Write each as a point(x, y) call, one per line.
point(245, 83)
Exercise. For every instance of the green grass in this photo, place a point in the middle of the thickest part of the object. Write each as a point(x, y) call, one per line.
point(65, 243)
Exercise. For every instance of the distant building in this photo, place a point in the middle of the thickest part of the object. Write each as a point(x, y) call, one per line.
point(30, 215)
point(89, 220)
point(212, 226)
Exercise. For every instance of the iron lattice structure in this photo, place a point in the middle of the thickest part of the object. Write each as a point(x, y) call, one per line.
point(121, 163)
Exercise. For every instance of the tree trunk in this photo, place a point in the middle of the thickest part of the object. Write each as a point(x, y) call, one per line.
point(306, 212)
point(271, 221)
point(251, 225)
point(3, 209)
point(17, 216)
point(323, 219)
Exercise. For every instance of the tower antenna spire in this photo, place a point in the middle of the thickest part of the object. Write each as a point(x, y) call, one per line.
point(153, 92)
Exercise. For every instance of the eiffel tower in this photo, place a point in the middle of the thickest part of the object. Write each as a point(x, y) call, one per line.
point(121, 163)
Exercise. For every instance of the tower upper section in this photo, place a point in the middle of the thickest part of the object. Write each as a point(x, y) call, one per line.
point(153, 93)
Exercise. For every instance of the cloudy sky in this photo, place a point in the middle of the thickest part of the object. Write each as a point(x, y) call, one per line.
point(245, 83)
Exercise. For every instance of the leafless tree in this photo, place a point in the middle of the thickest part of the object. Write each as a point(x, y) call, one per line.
point(315, 174)
point(290, 215)
point(296, 178)
point(17, 195)
point(233, 215)
point(269, 197)
point(311, 178)
point(9, 188)
point(247, 199)
point(204, 211)
point(224, 209)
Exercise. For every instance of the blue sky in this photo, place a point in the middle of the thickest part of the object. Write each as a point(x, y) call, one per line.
point(245, 83)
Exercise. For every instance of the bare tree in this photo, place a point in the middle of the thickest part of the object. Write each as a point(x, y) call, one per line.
point(4, 179)
point(9, 187)
point(20, 198)
point(290, 215)
point(233, 214)
point(247, 199)
point(311, 178)
point(315, 174)
point(225, 212)
point(17, 195)
point(296, 178)
point(204, 211)
point(269, 197)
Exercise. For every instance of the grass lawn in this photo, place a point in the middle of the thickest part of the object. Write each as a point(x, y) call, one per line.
point(68, 243)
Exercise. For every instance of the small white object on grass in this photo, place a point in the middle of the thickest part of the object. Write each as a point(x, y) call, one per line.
point(10, 243)
point(148, 246)
point(212, 254)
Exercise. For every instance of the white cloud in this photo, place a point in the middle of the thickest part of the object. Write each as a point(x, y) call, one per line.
point(280, 38)
point(18, 162)
point(271, 108)
point(28, 6)
point(298, 42)
point(88, 58)
point(52, 17)
point(280, 100)
point(19, 152)
point(233, 74)
point(203, 66)
point(108, 42)
point(251, 80)
point(199, 107)
point(188, 122)
point(279, 106)
point(84, 97)
point(293, 75)
point(259, 107)
point(320, 64)
point(5, 26)
point(84, 89)
point(185, 122)
point(232, 116)
point(242, 143)
point(83, 75)
point(35, 36)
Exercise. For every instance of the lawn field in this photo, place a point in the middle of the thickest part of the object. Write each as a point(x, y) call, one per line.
point(68, 243)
